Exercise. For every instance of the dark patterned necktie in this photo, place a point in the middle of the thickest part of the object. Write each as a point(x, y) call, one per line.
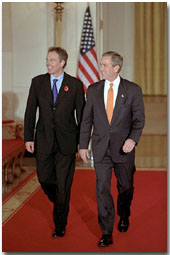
point(55, 92)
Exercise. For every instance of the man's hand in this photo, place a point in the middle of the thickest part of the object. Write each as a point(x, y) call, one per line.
point(29, 146)
point(128, 145)
point(84, 155)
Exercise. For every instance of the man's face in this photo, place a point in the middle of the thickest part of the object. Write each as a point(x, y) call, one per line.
point(53, 63)
point(108, 72)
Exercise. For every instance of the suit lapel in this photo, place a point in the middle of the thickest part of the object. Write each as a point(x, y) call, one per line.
point(47, 89)
point(48, 92)
point(121, 97)
point(61, 93)
point(100, 98)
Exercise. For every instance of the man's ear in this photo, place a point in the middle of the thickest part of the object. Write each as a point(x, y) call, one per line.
point(62, 63)
point(116, 68)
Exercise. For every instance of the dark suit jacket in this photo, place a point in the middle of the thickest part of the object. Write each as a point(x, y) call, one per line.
point(127, 122)
point(54, 121)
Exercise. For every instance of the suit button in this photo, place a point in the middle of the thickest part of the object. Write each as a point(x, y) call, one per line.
point(54, 108)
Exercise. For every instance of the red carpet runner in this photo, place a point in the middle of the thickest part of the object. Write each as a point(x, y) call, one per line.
point(30, 229)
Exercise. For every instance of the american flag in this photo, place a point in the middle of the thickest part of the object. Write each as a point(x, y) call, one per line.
point(88, 70)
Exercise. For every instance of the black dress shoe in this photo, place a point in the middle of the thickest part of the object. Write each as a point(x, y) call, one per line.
point(58, 232)
point(105, 240)
point(123, 224)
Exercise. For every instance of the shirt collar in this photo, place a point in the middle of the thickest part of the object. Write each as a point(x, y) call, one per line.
point(116, 82)
point(59, 78)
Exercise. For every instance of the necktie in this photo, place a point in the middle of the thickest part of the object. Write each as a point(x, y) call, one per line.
point(109, 105)
point(54, 90)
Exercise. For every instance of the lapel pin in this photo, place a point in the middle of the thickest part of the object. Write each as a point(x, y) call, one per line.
point(66, 88)
point(122, 95)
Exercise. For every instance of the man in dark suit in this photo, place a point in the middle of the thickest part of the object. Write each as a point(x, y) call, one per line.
point(60, 99)
point(115, 110)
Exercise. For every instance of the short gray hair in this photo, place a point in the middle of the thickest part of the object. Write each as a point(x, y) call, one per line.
point(116, 58)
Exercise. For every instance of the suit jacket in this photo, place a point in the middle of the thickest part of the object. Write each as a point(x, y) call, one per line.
point(55, 121)
point(127, 121)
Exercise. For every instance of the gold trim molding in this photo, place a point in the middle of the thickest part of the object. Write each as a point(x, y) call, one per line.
point(59, 11)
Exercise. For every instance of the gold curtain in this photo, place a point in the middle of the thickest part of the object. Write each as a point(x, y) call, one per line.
point(150, 70)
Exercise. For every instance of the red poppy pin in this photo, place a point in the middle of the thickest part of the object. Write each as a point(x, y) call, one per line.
point(66, 88)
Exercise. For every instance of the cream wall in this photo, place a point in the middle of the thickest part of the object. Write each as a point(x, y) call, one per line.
point(28, 30)
point(7, 63)
point(118, 33)
point(72, 25)
point(25, 39)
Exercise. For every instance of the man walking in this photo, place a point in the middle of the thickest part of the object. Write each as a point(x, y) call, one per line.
point(115, 110)
point(60, 100)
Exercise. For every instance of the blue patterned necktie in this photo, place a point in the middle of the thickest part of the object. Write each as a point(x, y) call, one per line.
point(54, 90)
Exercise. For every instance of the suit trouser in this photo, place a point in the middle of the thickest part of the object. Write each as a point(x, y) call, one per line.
point(124, 173)
point(55, 172)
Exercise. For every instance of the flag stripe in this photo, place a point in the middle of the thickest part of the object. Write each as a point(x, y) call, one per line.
point(83, 78)
point(88, 70)
point(85, 88)
point(90, 62)
point(86, 65)
point(85, 72)
point(92, 55)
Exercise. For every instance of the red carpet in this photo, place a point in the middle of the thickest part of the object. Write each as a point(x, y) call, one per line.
point(29, 230)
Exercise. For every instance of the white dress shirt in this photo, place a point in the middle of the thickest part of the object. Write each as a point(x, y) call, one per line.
point(59, 82)
point(116, 83)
